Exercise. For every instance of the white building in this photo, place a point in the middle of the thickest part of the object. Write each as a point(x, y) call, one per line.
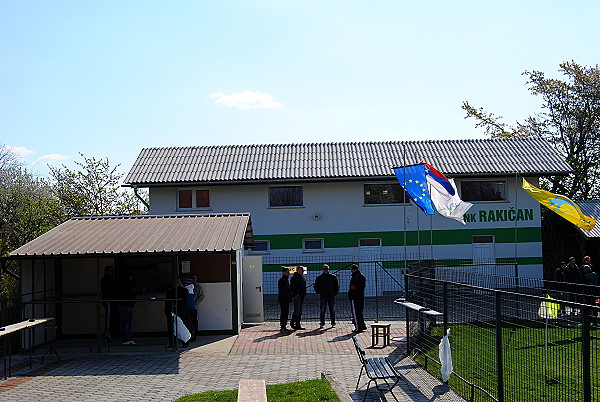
point(330, 200)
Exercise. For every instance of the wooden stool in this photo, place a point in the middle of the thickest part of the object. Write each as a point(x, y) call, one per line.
point(380, 331)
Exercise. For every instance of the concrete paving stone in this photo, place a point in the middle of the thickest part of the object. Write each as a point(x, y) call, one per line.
point(259, 351)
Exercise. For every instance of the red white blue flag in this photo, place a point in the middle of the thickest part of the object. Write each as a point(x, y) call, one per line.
point(438, 180)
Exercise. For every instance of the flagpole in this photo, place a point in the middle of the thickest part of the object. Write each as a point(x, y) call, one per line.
point(516, 249)
point(404, 206)
point(516, 229)
point(516, 211)
point(418, 236)
point(431, 235)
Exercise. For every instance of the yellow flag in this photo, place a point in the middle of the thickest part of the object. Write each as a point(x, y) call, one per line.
point(561, 205)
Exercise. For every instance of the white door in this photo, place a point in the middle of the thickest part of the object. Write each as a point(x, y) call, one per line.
point(484, 260)
point(252, 289)
point(214, 313)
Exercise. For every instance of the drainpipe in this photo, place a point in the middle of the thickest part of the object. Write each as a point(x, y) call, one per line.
point(140, 198)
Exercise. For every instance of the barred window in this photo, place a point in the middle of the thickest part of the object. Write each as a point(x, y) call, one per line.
point(376, 194)
point(483, 190)
point(285, 196)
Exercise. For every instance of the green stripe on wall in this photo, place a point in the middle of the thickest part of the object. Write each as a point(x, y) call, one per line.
point(396, 238)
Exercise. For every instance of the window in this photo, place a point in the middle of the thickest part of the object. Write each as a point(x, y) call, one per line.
point(186, 199)
point(483, 239)
point(369, 242)
point(202, 200)
point(312, 245)
point(285, 196)
point(261, 247)
point(384, 194)
point(483, 190)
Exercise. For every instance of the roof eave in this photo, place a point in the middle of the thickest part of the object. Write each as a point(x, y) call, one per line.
point(332, 179)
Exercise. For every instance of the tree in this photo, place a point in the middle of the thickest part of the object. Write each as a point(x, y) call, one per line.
point(570, 120)
point(23, 198)
point(93, 190)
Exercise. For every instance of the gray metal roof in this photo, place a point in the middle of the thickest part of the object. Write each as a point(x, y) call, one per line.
point(142, 234)
point(591, 208)
point(341, 161)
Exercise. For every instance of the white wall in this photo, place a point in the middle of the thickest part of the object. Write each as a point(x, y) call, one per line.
point(341, 209)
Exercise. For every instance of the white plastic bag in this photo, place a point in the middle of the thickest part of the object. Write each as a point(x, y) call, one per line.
point(180, 330)
point(446, 357)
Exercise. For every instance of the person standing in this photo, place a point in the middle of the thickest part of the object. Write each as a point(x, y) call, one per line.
point(190, 307)
point(327, 287)
point(198, 297)
point(591, 278)
point(284, 297)
point(356, 294)
point(298, 291)
point(108, 286)
point(127, 296)
point(572, 273)
point(587, 260)
point(573, 277)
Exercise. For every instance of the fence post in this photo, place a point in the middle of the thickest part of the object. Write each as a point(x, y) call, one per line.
point(98, 321)
point(517, 286)
point(376, 266)
point(406, 314)
point(499, 368)
point(585, 354)
point(445, 306)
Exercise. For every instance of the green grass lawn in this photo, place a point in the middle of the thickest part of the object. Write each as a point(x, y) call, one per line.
point(532, 370)
point(311, 390)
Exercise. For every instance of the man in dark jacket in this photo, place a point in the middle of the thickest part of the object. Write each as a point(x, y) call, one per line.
point(284, 297)
point(356, 294)
point(327, 287)
point(298, 291)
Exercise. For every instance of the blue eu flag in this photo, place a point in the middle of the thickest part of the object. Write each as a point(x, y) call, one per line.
point(412, 179)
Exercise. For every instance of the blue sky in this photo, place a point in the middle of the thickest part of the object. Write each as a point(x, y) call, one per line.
point(108, 78)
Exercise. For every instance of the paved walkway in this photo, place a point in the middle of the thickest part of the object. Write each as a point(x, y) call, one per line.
point(149, 373)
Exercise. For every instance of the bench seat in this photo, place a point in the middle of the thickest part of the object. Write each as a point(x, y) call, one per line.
point(376, 368)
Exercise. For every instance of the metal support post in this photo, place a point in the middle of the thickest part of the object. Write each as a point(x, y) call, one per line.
point(585, 354)
point(499, 365)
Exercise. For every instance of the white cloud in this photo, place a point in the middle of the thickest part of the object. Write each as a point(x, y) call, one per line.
point(50, 159)
point(246, 100)
point(20, 151)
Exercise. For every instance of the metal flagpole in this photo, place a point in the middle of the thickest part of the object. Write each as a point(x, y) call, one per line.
point(404, 204)
point(516, 213)
point(516, 237)
point(418, 236)
point(431, 235)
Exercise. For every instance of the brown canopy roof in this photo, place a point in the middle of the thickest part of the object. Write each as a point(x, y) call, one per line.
point(142, 234)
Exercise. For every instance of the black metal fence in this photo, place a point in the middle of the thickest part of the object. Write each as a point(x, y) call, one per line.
point(385, 283)
point(385, 274)
point(537, 341)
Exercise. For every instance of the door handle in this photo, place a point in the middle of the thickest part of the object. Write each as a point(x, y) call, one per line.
point(259, 289)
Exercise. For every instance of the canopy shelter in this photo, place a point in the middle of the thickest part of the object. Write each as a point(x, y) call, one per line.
point(61, 270)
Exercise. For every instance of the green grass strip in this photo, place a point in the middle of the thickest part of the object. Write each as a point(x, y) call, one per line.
point(311, 390)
